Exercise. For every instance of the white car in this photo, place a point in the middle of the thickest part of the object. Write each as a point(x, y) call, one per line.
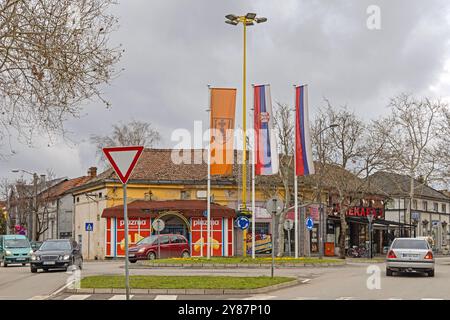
point(410, 255)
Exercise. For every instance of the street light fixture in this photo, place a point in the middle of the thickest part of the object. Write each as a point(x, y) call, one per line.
point(248, 20)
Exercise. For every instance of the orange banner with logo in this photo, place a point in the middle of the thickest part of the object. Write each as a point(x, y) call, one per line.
point(223, 107)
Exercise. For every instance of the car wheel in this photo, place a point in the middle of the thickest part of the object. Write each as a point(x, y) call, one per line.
point(388, 273)
point(151, 256)
point(132, 261)
point(5, 264)
point(431, 273)
point(33, 270)
point(185, 254)
point(24, 264)
point(45, 269)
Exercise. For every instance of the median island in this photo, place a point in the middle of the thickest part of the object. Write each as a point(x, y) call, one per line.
point(239, 261)
point(182, 282)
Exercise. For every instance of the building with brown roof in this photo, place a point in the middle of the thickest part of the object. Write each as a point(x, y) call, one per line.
point(164, 178)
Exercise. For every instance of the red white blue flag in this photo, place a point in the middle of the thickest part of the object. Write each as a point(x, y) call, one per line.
point(266, 150)
point(304, 164)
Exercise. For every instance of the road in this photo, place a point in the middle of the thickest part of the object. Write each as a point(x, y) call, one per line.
point(336, 283)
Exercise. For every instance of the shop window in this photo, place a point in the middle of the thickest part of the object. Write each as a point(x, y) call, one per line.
point(262, 228)
point(185, 195)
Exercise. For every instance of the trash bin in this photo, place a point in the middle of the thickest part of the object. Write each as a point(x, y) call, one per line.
point(329, 249)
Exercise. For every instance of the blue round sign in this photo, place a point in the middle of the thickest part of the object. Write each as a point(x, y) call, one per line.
point(242, 222)
point(309, 223)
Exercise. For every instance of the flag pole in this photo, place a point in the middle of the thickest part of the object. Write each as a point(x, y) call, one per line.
point(253, 181)
point(296, 224)
point(208, 193)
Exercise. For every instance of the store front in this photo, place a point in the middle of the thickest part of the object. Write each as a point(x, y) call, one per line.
point(184, 217)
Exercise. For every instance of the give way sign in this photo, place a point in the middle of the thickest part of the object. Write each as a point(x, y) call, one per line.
point(123, 160)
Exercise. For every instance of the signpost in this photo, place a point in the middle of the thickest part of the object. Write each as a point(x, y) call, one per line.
point(242, 222)
point(370, 217)
point(89, 227)
point(288, 225)
point(159, 226)
point(123, 160)
point(275, 206)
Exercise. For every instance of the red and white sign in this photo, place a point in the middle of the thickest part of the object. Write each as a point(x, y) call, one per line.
point(123, 160)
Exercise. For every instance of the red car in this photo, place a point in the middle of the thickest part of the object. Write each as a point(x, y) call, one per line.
point(170, 246)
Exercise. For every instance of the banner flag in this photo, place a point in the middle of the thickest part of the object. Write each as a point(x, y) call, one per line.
point(223, 107)
point(265, 137)
point(304, 161)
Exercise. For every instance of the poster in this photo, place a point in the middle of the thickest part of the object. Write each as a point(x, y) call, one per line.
point(221, 237)
point(138, 228)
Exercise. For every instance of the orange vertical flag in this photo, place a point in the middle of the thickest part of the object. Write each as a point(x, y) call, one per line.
point(223, 107)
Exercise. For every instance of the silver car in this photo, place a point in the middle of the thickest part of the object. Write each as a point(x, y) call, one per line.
point(410, 255)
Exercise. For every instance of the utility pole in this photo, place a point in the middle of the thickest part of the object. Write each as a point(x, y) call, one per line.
point(34, 234)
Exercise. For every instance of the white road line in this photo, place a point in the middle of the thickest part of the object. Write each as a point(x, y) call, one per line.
point(38, 298)
point(165, 297)
point(120, 297)
point(259, 297)
point(78, 297)
point(346, 298)
point(431, 299)
point(306, 280)
point(305, 298)
point(393, 299)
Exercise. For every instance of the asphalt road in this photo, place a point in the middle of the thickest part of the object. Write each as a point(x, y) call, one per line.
point(341, 283)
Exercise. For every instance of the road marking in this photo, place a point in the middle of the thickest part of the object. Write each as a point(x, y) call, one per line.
point(38, 298)
point(78, 297)
point(259, 297)
point(165, 297)
point(393, 299)
point(346, 298)
point(120, 297)
point(306, 280)
point(431, 299)
point(305, 298)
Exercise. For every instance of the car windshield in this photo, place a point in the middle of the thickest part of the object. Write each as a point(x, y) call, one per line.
point(55, 246)
point(148, 240)
point(17, 243)
point(410, 244)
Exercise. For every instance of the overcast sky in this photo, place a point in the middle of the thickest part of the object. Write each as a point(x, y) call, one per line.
point(175, 48)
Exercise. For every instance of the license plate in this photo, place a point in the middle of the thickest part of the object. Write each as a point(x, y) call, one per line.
point(131, 255)
point(20, 259)
point(49, 263)
point(411, 256)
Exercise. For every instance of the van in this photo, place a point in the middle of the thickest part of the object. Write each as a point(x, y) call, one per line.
point(14, 249)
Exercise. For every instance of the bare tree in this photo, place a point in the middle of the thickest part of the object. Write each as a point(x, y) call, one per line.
point(411, 132)
point(134, 133)
point(54, 55)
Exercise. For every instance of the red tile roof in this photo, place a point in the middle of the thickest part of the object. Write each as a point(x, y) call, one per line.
point(62, 187)
point(189, 208)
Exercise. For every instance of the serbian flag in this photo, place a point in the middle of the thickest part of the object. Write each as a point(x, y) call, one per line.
point(223, 105)
point(304, 164)
point(266, 150)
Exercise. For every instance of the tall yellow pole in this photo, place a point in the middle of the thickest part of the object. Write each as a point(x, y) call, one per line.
point(244, 125)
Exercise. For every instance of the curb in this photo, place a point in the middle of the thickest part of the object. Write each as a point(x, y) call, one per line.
point(188, 291)
point(234, 266)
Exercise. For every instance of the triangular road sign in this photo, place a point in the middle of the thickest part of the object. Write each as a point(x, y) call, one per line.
point(123, 160)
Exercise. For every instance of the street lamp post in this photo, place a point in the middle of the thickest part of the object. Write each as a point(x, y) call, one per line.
point(248, 20)
point(321, 209)
point(32, 235)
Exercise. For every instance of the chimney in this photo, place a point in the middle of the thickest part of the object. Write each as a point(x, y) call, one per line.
point(92, 172)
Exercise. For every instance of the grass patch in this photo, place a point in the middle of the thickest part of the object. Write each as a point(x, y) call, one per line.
point(245, 260)
point(182, 282)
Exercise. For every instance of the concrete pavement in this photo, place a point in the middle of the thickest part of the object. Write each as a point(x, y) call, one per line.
point(342, 283)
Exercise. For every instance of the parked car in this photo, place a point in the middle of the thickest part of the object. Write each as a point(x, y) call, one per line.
point(170, 245)
point(14, 249)
point(56, 254)
point(410, 255)
point(35, 245)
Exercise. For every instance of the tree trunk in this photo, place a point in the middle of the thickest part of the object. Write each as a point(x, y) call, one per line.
point(280, 234)
point(343, 234)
